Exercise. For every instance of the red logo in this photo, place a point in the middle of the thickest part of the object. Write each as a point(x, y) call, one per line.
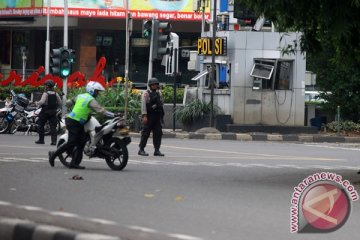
point(325, 207)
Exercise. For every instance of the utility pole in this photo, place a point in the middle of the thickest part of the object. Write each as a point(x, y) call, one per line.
point(150, 70)
point(213, 66)
point(127, 29)
point(47, 43)
point(64, 109)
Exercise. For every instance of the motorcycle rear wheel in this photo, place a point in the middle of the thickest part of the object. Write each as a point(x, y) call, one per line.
point(64, 155)
point(120, 155)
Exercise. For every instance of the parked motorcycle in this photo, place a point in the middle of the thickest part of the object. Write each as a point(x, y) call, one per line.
point(108, 141)
point(7, 116)
point(11, 111)
point(28, 118)
point(20, 117)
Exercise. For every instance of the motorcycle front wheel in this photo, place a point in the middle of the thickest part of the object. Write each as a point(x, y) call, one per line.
point(4, 125)
point(119, 154)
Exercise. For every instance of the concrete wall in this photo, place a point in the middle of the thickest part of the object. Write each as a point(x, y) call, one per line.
point(267, 107)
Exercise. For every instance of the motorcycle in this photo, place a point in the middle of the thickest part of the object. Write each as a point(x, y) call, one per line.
point(10, 113)
point(7, 116)
point(20, 117)
point(28, 121)
point(107, 141)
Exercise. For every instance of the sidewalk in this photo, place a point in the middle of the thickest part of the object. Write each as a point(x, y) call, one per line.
point(215, 135)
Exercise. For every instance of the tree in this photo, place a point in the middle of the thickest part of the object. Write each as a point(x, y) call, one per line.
point(330, 37)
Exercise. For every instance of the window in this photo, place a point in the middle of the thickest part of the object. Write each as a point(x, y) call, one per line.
point(262, 71)
point(274, 74)
point(283, 75)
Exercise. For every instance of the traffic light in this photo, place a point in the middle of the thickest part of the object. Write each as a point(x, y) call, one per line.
point(55, 61)
point(161, 39)
point(147, 29)
point(67, 58)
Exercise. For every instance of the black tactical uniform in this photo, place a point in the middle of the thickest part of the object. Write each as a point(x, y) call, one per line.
point(50, 101)
point(153, 113)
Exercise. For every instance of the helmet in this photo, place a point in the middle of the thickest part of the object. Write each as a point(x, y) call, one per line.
point(50, 83)
point(92, 86)
point(153, 81)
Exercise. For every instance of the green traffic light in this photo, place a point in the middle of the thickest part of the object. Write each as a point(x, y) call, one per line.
point(147, 33)
point(65, 68)
point(65, 72)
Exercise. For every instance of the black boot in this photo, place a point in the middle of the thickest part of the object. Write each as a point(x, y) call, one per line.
point(76, 158)
point(41, 139)
point(143, 153)
point(53, 140)
point(158, 153)
point(53, 154)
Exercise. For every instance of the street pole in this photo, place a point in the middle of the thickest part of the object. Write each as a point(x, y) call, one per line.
point(47, 43)
point(202, 16)
point(212, 82)
point(151, 49)
point(126, 60)
point(175, 81)
point(64, 109)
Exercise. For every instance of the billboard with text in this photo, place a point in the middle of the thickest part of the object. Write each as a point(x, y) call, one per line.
point(141, 9)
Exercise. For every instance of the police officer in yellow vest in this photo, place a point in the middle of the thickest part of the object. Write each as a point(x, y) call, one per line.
point(84, 105)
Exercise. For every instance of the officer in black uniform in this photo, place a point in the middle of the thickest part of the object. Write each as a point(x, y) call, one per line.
point(50, 101)
point(152, 114)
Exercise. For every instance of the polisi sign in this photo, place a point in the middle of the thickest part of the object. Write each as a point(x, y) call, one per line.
point(205, 45)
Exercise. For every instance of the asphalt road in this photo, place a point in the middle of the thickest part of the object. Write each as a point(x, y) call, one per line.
point(205, 189)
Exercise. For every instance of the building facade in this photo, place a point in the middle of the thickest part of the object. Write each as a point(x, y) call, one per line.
point(95, 29)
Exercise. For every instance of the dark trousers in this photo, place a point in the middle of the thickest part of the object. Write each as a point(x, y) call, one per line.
point(43, 118)
point(154, 125)
point(76, 141)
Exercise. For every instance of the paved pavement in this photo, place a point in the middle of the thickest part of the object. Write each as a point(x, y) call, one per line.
point(13, 228)
point(215, 135)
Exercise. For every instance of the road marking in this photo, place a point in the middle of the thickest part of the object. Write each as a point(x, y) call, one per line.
point(25, 147)
point(255, 158)
point(197, 164)
point(332, 147)
point(273, 156)
point(21, 159)
point(184, 237)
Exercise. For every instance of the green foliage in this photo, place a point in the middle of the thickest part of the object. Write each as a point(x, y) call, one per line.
point(27, 90)
point(347, 126)
point(113, 99)
point(339, 82)
point(168, 94)
point(194, 111)
point(334, 21)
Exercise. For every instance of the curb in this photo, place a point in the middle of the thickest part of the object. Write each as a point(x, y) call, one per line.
point(18, 229)
point(258, 137)
point(59, 225)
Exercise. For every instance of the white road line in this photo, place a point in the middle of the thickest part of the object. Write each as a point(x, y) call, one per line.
point(22, 159)
point(198, 164)
point(254, 154)
point(333, 147)
point(183, 237)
